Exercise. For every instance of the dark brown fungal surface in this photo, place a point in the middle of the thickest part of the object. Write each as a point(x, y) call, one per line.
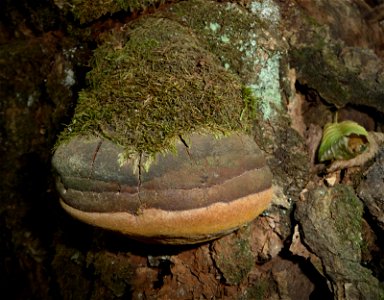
point(209, 187)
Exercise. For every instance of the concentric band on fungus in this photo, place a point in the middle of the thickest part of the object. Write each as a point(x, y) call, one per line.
point(174, 227)
point(169, 199)
point(201, 192)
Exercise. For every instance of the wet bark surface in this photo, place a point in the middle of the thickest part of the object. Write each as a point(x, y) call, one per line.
point(321, 238)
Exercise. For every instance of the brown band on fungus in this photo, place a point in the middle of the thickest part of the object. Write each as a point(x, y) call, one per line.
point(175, 227)
point(213, 170)
point(172, 199)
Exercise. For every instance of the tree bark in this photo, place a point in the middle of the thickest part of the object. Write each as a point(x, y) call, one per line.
point(322, 236)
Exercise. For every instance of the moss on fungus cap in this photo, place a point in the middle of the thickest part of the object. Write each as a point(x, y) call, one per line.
point(159, 146)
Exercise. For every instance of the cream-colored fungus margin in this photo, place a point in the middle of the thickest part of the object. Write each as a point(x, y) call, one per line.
point(174, 227)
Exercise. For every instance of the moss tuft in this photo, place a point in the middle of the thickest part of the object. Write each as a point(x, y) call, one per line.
point(154, 83)
point(233, 256)
point(89, 10)
point(236, 36)
point(244, 43)
point(251, 104)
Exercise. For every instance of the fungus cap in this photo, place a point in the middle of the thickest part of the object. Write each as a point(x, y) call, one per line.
point(142, 156)
point(209, 187)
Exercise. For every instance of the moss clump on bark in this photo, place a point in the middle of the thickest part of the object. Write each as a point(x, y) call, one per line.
point(153, 83)
point(331, 220)
point(240, 39)
point(89, 10)
point(233, 256)
point(341, 74)
point(243, 41)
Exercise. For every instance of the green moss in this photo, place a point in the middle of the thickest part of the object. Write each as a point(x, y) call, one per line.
point(335, 70)
point(89, 10)
point(350, 208)
point(235, 35)
point(233, 257)
point(113, 271)
point(153, 83)
point(260, 290)
point(195, 66)
point(315, 66)
point(251, 104)
point(239, 38)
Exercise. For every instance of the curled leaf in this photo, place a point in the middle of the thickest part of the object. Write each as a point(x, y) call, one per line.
point(342, 141)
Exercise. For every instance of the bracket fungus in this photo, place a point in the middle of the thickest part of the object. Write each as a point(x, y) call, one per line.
point(208, 189)
point(160, 146)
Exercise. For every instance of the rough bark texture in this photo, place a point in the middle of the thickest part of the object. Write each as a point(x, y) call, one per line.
point(322, 237)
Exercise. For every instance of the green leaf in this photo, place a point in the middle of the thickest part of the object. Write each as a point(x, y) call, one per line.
point(342, 141)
